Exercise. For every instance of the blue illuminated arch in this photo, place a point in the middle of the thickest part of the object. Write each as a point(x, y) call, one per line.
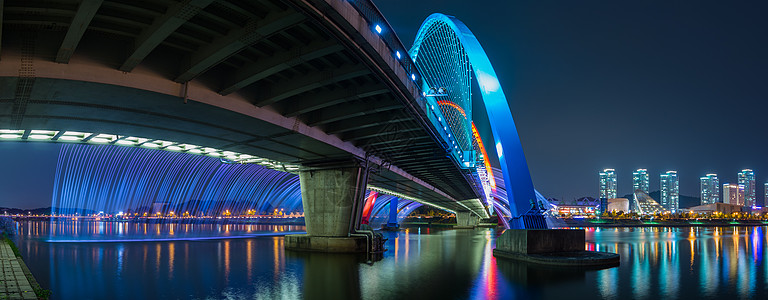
point(517, 178)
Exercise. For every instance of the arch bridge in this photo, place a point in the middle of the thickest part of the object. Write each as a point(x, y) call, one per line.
point(322, 88)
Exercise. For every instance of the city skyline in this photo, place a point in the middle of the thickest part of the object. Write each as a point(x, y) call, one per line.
point(652, 187)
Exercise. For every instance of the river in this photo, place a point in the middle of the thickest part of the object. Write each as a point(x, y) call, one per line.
point(119, 260)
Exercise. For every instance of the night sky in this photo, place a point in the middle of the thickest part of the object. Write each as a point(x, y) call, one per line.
point(661, 85)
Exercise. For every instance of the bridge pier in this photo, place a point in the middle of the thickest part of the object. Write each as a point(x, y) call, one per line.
point(392, 222)
point(466, 220)
point(331, 195)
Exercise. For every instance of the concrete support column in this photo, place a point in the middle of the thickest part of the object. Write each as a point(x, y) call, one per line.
point(331, 196)
point(393, 212)
point(466, 220)
point(328, 197)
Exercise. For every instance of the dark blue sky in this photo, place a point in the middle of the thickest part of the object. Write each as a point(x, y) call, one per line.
point(27, 172)
point(660, 85)
point(679, 85)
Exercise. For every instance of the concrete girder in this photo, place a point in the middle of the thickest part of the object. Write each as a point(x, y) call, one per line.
point(85, 13)
point(308, 103)
point(333, 114)
point(161, 28)
point(236, 40)
point(272, 65)
point(373, 132)
point(375, 120)
point(308, 82)
point(424, 142)
point(385, 145)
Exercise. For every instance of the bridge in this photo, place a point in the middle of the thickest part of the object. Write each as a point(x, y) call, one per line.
point(322, 88)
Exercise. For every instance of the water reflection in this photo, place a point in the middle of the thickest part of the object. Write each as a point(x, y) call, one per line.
point(425, 263)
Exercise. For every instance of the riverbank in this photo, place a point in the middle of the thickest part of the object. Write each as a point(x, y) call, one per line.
point(603, 222)
point(17, 281)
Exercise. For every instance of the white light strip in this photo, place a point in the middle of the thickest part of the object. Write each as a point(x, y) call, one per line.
point(132, 141)
point(403, 196)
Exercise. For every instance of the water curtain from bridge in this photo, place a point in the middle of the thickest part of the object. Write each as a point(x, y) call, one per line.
point(449, 57)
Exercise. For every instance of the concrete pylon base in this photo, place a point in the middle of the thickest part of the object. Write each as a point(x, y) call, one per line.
point(466, 220)
point(303, 242)
point(561, 247)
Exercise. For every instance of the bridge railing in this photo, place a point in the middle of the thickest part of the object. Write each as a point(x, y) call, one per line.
point(375, 18)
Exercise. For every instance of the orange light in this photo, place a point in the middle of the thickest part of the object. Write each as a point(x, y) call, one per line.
point(454, 105)
point(485, 157)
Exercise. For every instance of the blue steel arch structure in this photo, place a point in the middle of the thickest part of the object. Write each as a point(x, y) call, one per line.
point(448, 55)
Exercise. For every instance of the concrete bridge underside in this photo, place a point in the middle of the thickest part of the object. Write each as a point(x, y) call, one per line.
point(296, 81)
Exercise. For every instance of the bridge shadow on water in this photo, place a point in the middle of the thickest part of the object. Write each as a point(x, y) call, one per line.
point(527, 274)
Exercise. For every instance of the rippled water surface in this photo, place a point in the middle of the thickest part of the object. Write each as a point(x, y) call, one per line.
point(110, 260)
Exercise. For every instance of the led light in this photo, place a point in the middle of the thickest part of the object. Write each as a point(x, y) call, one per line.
point(39, 137)
point(69, 138)
point(196, 151)
point(76, 133)
point(124, 142)
point(9, 136)
point(245, 156)
point(99, 140)
point(397, 53)
point(151, 145)
point(11, 131)
point(413, 76)
point(42, 132)
point(213, 154)
point(378, 28)
point(174, 148)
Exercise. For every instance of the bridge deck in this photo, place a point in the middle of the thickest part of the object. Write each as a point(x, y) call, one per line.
point(293, 81)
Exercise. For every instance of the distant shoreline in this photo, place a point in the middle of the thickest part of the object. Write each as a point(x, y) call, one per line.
point(661, 223)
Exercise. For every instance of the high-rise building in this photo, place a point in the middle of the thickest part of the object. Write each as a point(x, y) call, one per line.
point(670, 197)
point(608, 184)
point(710, 189)
point(733, 193)
point(640, 180)
point(747, 178)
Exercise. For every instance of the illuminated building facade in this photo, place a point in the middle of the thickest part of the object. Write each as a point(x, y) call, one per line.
point(646, 205)
point(607, 184)
point(670, 191)
point(640, 180)
point(733, 193)
point(710, 189)
point(747, 179)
